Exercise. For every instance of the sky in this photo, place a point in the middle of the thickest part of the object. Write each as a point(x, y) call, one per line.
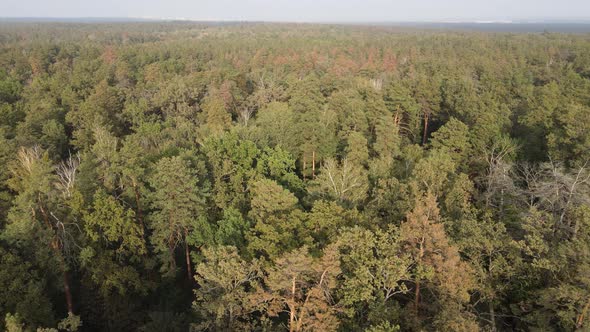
point(306, 10)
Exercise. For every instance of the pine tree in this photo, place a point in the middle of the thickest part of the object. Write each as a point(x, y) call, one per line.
point(178, 202)
point(437, 264)
point(301, 286)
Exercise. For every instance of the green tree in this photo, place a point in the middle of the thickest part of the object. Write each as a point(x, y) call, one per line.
point(453, 139)
point(216, 117)
point(102, 108)
point(275, 127)
point(231, 163)
point(301, 286)
point(404, 109)
point(178, 200)
point(278, 223)
point(232, 229)
point(36, 219)
point(115, 242)
point(23, 290)
point(374, 270)
point(570, 139)
point(222, 299)
point(357, 150)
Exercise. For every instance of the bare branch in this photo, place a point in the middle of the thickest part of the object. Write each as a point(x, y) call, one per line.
point(66, 174)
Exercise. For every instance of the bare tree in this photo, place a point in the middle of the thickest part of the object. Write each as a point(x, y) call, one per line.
point(66, 174)
point(530, 175)
point(33, 176)
point(245, 115)
point(27, 158)
point(498, 181)
point(343, 181)
point(558, 190)
point(377, 83)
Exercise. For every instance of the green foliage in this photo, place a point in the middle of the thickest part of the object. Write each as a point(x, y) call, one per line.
point(302, 286)
point(115, 242)
point(23, 291)
point(71, 323)
point(433, 172)
point(110, 222)
point(178, 201)
point(222, 299)
point(279, 165)
point(571, 138)
point(383, 327)
point(357, 151)
point(232, 164)
point(216, 116)
point(232, 229)
point(278, 223)
point(13, 323)
point(301, 177)
point(375, 270)
point(102, 108)
point(452, 139)
point(274, 125)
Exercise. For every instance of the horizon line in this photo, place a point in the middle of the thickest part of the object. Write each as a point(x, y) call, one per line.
point(547, 20)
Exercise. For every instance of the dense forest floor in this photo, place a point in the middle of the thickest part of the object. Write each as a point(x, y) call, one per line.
point(269, 177)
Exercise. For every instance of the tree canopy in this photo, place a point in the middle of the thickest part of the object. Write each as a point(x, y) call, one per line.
point(187, 176)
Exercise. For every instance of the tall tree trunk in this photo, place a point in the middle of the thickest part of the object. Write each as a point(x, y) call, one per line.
point(491, 304)
point(313, 165)
point(582, 316)
point(68, 291)
point(417, 292)
point(292, 307)
point(417, 297)
point(171, 246)
point(65, 275)
point(57, 249)
point(172, 258)
point(493, 316)
point(187, 255)
point(230, 324)
point(425, 135)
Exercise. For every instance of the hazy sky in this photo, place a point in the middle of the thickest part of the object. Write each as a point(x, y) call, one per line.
point(303, 10)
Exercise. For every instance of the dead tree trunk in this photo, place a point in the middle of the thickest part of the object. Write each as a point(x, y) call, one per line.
point(313, 165)
point(57, 249)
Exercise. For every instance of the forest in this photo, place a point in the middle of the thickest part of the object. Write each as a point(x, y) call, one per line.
point(292, 177)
